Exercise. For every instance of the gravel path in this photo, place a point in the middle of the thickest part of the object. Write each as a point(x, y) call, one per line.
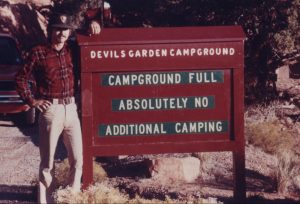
point(19, 155)
point(19, 158)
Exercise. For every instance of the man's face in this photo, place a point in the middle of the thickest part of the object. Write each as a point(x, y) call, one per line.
point(60, 35)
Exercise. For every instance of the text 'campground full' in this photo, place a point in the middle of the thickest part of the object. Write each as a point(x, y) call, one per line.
point(159, 78)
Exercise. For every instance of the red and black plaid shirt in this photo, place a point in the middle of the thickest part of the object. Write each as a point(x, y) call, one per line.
point(52, 71)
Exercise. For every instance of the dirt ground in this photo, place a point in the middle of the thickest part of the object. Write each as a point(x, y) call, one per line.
point(19, 157)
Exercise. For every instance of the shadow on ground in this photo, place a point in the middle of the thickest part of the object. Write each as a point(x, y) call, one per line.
point(259, 200)
point(115, 167)
point(18, 194)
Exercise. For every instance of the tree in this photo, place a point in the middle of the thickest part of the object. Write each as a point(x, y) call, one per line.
point(271, 28)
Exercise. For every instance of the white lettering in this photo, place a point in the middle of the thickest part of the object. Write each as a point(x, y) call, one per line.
point(193, 51)
point(122, 130)
point(231, 51)
point(150, 53)
point(108, 130)
point(186, 52)
point(129, 104)
point(184, 128)
point(184, 100)
point(131, 53)
point(122, 106)
point(118, 81)
point(201, 102)
point(110, 78)
point(219, 126)
point(123, 53)
point(155, 79)
point(178, 52)
point(213, 80)
point(191, 77)
point(159, 128)
point(172, 52)
point(199, 52)
point(134, 78)
point(126, 80)
point(162, 52)
point(93, 54)
point(177, 128)
point(206, 79)
point(225, 51)
point(105, 54)
point(138, 54)
point(177, 78)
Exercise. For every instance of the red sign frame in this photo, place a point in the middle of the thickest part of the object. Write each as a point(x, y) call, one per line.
point(141, 53)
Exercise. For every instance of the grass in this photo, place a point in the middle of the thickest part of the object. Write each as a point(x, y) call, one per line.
point(271, 136)
point(98, 193)
point(62, 169)
point(288, 170)
point(277, 136)
point(103, 192)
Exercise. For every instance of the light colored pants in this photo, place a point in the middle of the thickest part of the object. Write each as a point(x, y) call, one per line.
point(56, 120)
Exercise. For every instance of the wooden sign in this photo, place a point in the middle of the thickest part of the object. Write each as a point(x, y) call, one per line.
point(163, 90)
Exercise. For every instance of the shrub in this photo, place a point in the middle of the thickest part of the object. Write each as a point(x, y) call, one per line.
point(263, 129)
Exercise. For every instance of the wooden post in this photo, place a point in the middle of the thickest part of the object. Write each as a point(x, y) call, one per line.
point(86, 95)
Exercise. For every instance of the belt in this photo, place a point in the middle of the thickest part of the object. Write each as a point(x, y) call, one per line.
point(64, 101)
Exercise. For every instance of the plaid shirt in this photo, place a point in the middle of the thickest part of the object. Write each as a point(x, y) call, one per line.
point(52, 72)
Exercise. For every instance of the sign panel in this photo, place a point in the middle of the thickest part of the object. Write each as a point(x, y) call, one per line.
point(185, 105)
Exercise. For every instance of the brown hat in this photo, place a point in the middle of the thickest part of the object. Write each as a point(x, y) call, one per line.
point(61, 21)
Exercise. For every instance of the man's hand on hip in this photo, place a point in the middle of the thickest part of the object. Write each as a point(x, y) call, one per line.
point(41, 104)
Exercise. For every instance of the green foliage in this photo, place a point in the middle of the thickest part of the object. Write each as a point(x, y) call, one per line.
point(268, 136)
point(284, 41)
point(271, 27)
point(278, 137)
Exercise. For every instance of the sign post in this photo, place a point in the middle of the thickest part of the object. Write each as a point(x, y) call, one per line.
point(163, 90)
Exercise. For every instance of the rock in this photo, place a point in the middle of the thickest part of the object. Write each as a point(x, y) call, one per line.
point(286, 84)
point(175, 169)
point(283, 73)
point(35, 2)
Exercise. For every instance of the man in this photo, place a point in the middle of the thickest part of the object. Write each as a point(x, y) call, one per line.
point(52, 69)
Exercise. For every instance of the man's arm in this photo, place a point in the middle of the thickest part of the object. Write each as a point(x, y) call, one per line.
point(93, 18)
point(22, 78)
point(22, 85)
